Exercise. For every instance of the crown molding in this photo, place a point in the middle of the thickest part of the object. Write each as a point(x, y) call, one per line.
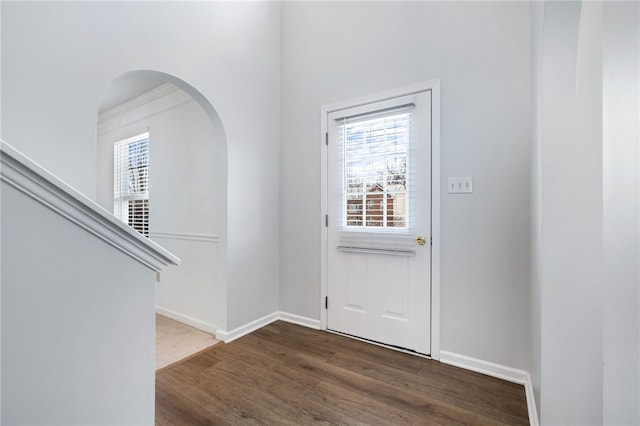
point(152, 95)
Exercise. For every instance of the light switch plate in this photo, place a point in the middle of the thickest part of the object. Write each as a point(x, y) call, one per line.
point(460, 185)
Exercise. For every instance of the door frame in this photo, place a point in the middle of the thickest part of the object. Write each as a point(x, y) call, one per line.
point(434, 87)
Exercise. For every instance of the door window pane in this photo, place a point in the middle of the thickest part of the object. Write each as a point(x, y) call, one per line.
point(376, 151)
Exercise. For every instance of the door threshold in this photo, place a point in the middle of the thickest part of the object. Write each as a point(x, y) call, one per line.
point(383, 345)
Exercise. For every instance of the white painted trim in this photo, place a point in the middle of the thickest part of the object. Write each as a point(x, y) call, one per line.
point(230, 336)
point(382, 96)
point(205, 238)
point(485, 367)
point(531, 402)
point(150, 96)
point(324, 210)
point(496, 370)
point(195, 323)
point(22, 173)
point(435, 218)
point(434, 87)
point(140, 109)
point(300, 320)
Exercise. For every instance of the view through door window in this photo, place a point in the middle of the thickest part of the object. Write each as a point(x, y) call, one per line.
point(376, 151)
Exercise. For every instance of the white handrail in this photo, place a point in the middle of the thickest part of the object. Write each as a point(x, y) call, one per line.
point(27, 176)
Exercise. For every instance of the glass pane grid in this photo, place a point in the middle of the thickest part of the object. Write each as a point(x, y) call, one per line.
point(131, 182)
point(375, 167)
point(138, 217)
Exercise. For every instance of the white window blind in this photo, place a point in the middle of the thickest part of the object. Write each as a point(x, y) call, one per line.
point(374, 146)
point(131, 182)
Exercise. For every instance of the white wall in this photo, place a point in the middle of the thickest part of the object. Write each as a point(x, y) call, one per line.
point(535, 290)
point(78, 342)
point(333, 52)
point(1, 70)
point(571, 264)
point(621, 211)
point(59, 58)
point(0, 209)
point(585, 286)
point(188, 196)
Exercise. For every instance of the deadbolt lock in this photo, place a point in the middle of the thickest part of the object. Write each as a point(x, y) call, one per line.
point(421, 240)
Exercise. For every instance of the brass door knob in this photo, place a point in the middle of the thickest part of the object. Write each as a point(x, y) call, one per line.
point(421, 240)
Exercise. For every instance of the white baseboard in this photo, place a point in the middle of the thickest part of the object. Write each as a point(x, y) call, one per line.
point(485, 367)
point(230, 336)
point(297, 319)
point(496, 370)
point(195, 323)
point(531, 402)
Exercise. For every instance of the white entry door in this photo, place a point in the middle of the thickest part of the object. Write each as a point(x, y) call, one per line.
point(379, 221)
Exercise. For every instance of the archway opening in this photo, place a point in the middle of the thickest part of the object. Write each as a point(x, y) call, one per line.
point(187, 196)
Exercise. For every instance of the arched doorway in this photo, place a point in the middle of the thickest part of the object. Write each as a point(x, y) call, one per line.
point(187, 186)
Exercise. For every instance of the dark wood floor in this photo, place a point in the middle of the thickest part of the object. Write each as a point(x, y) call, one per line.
point(287, 374)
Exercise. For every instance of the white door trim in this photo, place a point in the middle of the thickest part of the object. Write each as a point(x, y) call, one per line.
point(434, 87)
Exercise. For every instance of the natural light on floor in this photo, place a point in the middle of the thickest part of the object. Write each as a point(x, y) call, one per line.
point(176, 341)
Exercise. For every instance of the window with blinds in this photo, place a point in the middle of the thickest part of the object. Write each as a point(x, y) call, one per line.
point(375, 150)
point(131, 182)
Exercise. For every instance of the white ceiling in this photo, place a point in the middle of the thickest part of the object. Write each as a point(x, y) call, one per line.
point(129, 86)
